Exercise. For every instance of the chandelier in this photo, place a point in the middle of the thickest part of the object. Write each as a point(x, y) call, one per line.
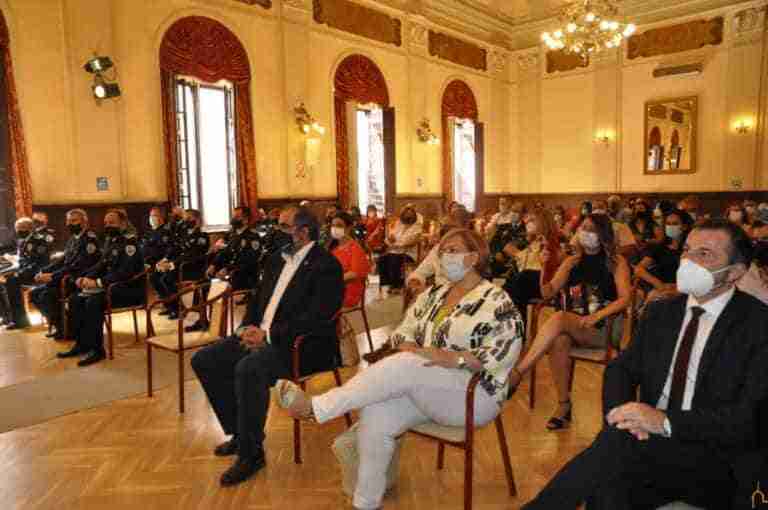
point(589, 26)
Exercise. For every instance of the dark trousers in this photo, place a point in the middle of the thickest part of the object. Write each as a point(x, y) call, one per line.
point(168, 285)
point(618, 472)
point(523, 287)
point(46, 299)
point(11, 302)
point(86, 312)
point(237, 382)
point(390, 266)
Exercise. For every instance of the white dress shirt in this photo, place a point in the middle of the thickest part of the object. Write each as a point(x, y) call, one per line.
point(712, 311)
point(292, 263)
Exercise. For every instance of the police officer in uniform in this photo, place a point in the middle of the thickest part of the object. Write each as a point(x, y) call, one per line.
point(40, 220)
point(156, 244)
point(191, 252)
point(33, 253)
point(121, 261)
point(81, 253)
point(238, 254)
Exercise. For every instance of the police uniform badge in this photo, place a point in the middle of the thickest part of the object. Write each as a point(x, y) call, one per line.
point(29, 247)
point(201, 240)
point(243, 243)
point(90, 248)
point(49, 238)
point(130, 250)
point(255, 245)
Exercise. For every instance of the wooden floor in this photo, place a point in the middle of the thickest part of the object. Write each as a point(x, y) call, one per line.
point(139, 453)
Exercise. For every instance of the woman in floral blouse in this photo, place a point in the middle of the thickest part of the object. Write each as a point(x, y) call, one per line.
point(451, 332)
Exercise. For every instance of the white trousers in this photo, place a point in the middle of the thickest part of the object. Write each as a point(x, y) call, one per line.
point(394, 395)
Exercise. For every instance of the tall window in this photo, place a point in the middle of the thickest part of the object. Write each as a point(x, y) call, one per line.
point(464, 163)
point(207, 164)
point(371, 173)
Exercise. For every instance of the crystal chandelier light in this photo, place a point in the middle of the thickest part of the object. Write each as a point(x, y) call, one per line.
point(589, 26)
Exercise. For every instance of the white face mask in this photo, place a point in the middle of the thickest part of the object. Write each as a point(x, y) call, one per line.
point(453, 266)
point(154, 222)
point(693, 215)
point(589, 240)
point(673, 231)
point(338, 233)
point(598, 211)
point(696, 280)
point(657, 213)
point(558, 218)
point(530, 227)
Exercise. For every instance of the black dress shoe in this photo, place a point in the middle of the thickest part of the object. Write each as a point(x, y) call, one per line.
point(197, 326)
point(242, 469)
point(51, 334)
point(93, 357)
point(74, 351)
point(173, 316)
point(226, 448)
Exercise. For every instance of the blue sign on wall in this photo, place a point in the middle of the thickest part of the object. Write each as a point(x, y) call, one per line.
point(102, 184)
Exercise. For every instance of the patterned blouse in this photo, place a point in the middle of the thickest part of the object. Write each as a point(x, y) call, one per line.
point(485, 323)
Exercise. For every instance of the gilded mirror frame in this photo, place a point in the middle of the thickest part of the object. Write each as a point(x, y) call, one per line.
point(664, 170)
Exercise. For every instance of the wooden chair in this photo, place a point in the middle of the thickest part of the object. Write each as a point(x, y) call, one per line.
point(179, 341)
point(360, 307)
point(109, 311)
point(234, 297)
point(537, 307)
point(463, 437)
point(301, 381)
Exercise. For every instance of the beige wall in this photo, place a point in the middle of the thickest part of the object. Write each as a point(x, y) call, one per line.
point(572, 108)
point(539, 128)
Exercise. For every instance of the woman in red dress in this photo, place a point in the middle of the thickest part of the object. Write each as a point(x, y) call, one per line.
point(374, 226)
point(353, 259)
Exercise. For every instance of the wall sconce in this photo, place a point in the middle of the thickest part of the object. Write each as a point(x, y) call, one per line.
point(103, 87)
point(425, 134)
point(742, 126)
point(603, 137)
point(305, 121)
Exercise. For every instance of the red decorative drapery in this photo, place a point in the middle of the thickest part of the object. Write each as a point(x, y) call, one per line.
point(204, 48)
point(357, 79)
point(459, 102)
point(17, 147)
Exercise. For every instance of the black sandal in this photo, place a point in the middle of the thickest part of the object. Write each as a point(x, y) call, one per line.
point(561, 422)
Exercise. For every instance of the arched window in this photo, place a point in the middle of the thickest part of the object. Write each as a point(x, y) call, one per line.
point(365, 138)
point(463, 147)
point(208, 126)
point(15, 187)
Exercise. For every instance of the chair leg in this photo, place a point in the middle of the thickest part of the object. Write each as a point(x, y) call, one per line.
point(110, 339)
point(135, 326)
point(505, 456)
point(440, 455)
point(337, 376)
point(296, 442)
point(468, 465)
point(149, 369)
point(532, 390)
point(570, 380)
point(367, 328)
point(181, 382)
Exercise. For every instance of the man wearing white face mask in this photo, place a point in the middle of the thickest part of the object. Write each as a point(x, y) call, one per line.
point(699, 363)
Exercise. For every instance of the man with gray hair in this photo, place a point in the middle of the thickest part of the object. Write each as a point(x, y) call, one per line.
point(80, 253)
point(32, 254)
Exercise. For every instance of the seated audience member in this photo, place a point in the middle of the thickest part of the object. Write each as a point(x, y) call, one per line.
point(32, 254)
point(738, 216)
point(238, 256)
point(641, 206)
point(402, 246)
point(698, 361)
point(353, 259)
point(374, 228)
point(645, 230)
point(597, 285)
point(584, 210)
point(81, 253)
point(325, 229)
point(157, 240)
point(625, 241)
point(692, 206)
point(750, 208)
point(755, 281)
point(441, 346)
point(121, 261)
point(525, 285)
point(302, 290)
point(559, 217)
point(658, 267)
point(359, 232)
point(40, 221)
point(504, 228)
point(190, 256)
point(430, 266)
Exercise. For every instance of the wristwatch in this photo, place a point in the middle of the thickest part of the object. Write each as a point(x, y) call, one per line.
point(461, 363)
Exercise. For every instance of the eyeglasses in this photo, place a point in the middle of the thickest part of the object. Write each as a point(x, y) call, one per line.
point(453, 251)
point(703, 254)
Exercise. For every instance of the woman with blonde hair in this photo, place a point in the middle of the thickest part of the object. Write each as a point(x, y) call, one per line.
point(450, 333)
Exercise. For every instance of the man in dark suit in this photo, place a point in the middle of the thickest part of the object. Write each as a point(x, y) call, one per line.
point(699, 361)
point(301, 290)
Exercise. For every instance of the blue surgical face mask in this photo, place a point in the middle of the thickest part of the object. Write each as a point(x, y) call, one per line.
point(673, 231)
point(453, 266)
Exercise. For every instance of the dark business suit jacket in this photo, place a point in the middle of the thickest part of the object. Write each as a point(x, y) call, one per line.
point(311, 299)
point(731, 384)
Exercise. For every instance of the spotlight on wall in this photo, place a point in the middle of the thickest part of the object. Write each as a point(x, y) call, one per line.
point(305, 121)
point(603, 137)
point(742, 126)
point(103, 87)
point(425, 134)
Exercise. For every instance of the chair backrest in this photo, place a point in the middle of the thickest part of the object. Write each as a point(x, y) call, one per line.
point(218, 316)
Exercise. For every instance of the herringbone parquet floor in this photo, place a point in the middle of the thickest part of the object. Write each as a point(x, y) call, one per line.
point(139, 453)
